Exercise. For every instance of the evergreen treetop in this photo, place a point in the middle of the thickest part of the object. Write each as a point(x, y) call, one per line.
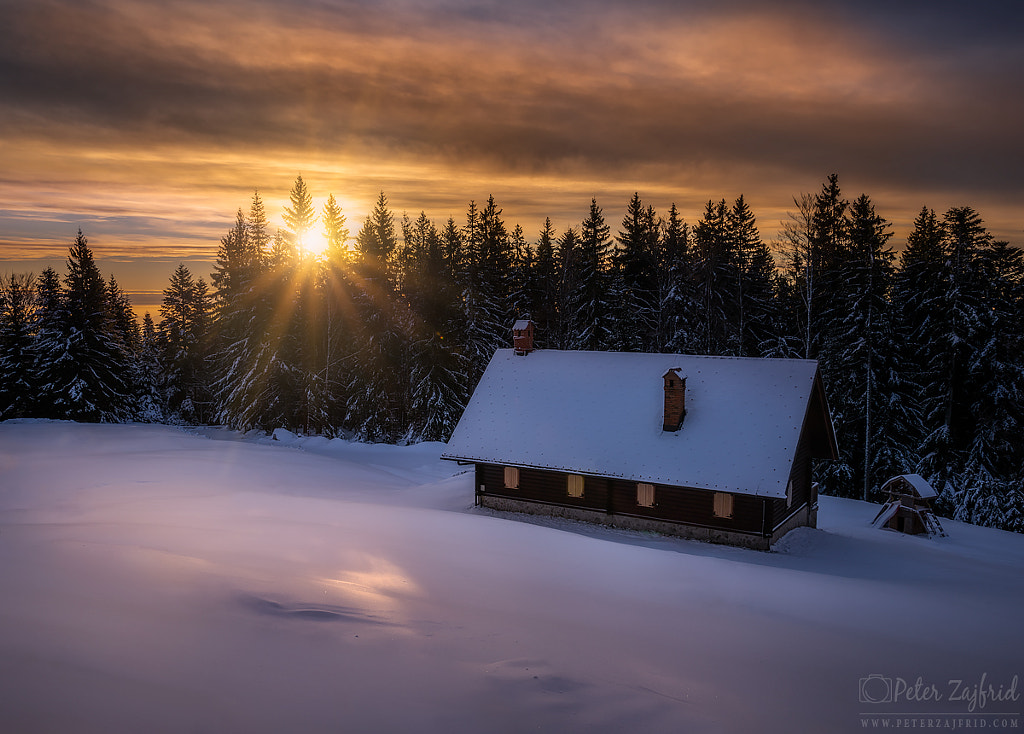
point(299, 216)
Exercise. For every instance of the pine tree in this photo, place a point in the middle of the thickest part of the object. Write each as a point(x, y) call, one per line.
point(49, 299)
point(993, 480)
point(439, 392)
point(377, 393)
point(335, 230)
point(570, 280)
point(485, 287)
point(921, 271)
point(494, 268)
point(983, 415)
point(426, 265)
point(242, 321)
point(863, 395)
point(286, 363)
point(756, 310)
point(715, 274)
point(964, 338)
point(340, 315)
point(148, 399)
point(182, 342)
point(437, 371)
point(588, 308)
point(122, 316)
point(378, 389)
point(453, 248)
point(830, 223)
point(544, 309)
point(918, 313)
point(635, 281)
point(48, 326)
point(830, 247)
point(17, 315)
point(522, 290)
point(299, 217)
point(831, 255)
point(239, 260)
point(81, 362)
point(375, 244)
point(954, 334)
point(256, 240)
point(307, 332)
point(124, 329)
point(677, 292)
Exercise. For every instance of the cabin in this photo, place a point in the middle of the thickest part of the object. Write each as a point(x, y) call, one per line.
point(908, 507)
point(714, 448)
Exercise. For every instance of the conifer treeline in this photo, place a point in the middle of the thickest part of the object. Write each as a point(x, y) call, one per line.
point(385, 336)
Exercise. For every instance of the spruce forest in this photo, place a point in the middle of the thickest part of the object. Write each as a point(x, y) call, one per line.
point(384, 336)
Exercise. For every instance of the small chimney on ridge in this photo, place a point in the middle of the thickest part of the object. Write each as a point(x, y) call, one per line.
point(522, 336)
point(675, 400)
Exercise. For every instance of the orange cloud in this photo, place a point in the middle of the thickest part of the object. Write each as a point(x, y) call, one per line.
point(148, 123)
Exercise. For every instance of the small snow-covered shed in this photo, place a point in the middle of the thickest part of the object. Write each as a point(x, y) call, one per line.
point(717, 448)
point(908, 507)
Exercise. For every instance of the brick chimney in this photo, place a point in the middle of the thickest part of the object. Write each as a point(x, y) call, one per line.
point(522, 336)
point(675, 400)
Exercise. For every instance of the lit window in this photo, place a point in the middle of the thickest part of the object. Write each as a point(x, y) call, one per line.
point(511, 477)
point(723, 504)
point(645, 494)
point(575, 485)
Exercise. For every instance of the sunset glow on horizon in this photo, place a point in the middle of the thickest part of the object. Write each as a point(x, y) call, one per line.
point(148, 125)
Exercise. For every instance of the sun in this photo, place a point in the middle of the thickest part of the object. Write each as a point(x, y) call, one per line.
point(314, 243)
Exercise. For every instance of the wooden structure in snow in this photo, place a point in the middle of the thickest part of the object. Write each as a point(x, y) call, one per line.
point(714, 448)
point(908, 507)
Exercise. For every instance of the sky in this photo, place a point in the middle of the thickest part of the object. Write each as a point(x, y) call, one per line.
point(147, 124)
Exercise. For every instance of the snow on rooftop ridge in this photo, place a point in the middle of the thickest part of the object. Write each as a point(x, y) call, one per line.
point(601, 413)
point(919, 483)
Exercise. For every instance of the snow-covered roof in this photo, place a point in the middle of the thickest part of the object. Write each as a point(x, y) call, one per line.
point(920, 484)
point(521, 324)
point(601, 413)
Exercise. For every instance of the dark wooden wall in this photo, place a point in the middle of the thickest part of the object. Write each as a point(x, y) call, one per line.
point(692, 506)
point(537, 485)
point(618, 497)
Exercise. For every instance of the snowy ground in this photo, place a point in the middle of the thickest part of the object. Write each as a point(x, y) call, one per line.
point(162, 580)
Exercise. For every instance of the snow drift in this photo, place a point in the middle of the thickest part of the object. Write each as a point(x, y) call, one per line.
point(164, 580)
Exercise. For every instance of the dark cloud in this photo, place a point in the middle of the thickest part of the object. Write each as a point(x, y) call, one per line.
point(919, 99)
